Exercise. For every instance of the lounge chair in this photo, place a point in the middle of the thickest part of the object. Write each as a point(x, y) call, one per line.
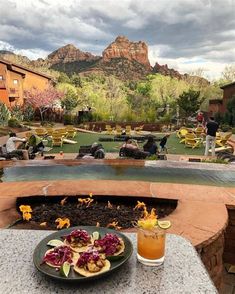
point(199, 131)
point(109, 130)
point(191, 140)
point(128, 130)
point(223, 139)
point(139, 129)
point(41, 132)
point(71, 132)
point(57, 140)
point(182, 132)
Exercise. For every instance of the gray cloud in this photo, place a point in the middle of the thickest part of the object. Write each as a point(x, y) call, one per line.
point(180, 28)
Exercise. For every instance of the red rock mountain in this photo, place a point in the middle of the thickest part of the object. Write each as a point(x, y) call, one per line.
point(69, 53)
point(166, 71)
point(123, 48)
point(125, 59)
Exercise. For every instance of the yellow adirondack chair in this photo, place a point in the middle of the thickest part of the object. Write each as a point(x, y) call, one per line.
point(118, 130)
point(57, 140)
point(128, 130)
point(199, 131)
point(71, 131)
point(109, 130)
point(41, 132)
point(139, 129)
point(222, 140)
point(191, 140)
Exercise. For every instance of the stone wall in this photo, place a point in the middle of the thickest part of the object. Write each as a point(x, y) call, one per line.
point(229, 250)
point(211, 254)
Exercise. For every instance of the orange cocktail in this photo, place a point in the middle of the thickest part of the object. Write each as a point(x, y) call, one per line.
point(151, 238)
point(151, 243)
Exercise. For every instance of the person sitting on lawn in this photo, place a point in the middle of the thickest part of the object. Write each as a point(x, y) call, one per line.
point(130, 144)
point(12, 148)
point(150, 146)
point(163, 143)
point(131, 149)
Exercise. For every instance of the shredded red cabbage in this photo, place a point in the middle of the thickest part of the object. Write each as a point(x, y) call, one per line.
point(87, 256)
point(108, 244)
point(78, 235)
point(59, 255)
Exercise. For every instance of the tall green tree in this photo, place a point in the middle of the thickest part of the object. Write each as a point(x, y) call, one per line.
point(231, 111)
point(189, 102)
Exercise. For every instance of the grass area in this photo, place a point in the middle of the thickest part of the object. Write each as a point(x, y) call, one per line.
point(174, 147)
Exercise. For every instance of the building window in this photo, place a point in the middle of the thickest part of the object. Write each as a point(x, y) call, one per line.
point(11, 99)
point(15, 82)
point(1, 78)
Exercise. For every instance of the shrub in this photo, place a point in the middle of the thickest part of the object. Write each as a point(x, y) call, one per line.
point(17, 113)
point(14, 123)
point(225, 128)
point(152, 157)
point(46, 123)
point(4, 114)
point(28, 113)
point(69, 119)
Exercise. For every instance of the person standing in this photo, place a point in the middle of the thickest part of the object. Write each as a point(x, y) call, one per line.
point(211, 129)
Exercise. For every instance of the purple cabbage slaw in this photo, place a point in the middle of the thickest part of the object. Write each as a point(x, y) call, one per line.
point(59, 255)
point(78, 235)
point(108, 244)
point(87, 256)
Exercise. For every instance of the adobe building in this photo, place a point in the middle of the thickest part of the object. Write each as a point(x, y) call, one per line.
point(15, 79)
point(220, 105)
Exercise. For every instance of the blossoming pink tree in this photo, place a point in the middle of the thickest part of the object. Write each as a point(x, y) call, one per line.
point(43, 99)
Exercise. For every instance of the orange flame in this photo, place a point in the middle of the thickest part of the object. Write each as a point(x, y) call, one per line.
point(114, 225)
point(63, 201)
point(62, 222)
point(151, 215)
point(140, 205)
point(86, 201)
point(26, 212)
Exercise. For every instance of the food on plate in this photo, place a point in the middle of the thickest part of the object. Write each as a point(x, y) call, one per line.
point(65, 269)
point(110, 245)
point(91, 263)
point(78, 240)
point(57, 256)
point(55, 243)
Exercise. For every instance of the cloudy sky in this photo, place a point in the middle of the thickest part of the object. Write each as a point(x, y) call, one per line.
point(185, 34)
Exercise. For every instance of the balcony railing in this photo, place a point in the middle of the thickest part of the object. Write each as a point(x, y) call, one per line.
point(13, 92)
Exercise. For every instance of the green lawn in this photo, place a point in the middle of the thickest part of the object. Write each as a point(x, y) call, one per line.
point(174, 147)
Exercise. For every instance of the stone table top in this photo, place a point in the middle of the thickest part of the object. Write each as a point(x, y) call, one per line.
point(182, 271)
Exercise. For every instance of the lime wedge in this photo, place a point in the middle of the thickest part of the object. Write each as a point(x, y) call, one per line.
point(65, 269)
point(164, 224)
point(55, 243)
point(96, 235)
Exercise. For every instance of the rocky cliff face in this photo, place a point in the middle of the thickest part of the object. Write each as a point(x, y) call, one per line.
point(125, 59)
point(15, 58)
point(69, 53)
point(166, 71)
point(123, 48)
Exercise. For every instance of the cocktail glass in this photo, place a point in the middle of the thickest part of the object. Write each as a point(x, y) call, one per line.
point(151, 246)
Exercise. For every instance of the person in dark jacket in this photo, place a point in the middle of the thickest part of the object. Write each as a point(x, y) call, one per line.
point(150, 146)
point(211, 129)
point(163, 143)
